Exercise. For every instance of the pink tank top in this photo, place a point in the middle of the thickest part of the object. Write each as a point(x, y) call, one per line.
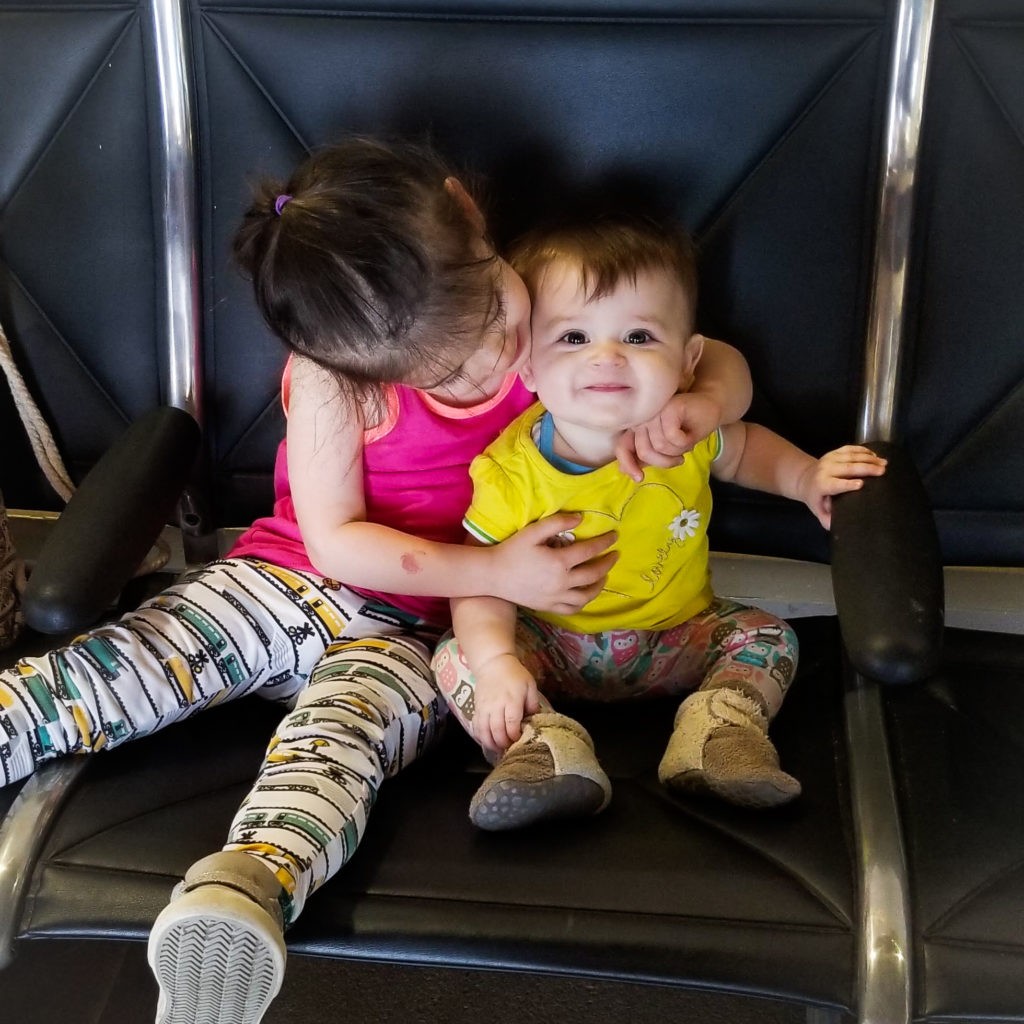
point(415, 477)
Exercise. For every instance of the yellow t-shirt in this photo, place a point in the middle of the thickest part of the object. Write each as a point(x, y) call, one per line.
point(661, 578)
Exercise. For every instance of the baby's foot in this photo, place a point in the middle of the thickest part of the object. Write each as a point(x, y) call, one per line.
point(720, 745)
point(549, 772)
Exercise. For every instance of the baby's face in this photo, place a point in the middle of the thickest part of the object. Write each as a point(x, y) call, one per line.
point(612, 362)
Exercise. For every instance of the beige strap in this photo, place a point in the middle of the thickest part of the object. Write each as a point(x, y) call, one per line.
point(43, 445)
point(46, 452)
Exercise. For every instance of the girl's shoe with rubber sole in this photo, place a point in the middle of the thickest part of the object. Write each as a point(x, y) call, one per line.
point(218, 952)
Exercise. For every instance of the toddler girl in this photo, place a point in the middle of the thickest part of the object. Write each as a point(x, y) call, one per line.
point(373, 266)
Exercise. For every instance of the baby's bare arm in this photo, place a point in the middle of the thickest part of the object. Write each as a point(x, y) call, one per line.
point(504, 691)
point(756, 457)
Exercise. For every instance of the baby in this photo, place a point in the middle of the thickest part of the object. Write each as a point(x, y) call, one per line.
point(613, 342)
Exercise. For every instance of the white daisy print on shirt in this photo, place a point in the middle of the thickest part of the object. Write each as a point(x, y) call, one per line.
point(686, 524)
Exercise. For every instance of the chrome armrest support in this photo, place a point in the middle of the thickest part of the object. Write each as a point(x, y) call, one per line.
point(22, 834)
point(884, 940)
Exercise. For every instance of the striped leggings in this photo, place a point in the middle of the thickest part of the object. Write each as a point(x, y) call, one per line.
point(356, 673)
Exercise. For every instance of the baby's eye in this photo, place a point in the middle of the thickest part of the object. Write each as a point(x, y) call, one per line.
point(574, 338)
point(637, 337)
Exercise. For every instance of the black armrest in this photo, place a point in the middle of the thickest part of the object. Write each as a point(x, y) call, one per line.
point(887, 573)
point(111, 522)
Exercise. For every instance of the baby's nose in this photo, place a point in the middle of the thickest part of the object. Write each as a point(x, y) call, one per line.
point(605, 352)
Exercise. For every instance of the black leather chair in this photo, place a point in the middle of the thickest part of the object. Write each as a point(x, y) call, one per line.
point(761, 124)
point(957, 741)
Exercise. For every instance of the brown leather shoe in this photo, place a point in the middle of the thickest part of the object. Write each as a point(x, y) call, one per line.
point(549, 772)
point(720, 745)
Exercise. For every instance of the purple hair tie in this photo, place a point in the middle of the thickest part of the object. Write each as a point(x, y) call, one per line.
point(280, 201)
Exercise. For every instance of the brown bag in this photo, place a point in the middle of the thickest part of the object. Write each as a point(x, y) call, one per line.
point(12, 579)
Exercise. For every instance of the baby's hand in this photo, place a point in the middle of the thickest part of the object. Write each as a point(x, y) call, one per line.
point(505, 694)
point(662, 441)
point(836, 473)
point(534, 568)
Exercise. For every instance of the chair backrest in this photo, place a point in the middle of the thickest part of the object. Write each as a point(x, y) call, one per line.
point(963, 395)
point(756, 123)
point(78, 242)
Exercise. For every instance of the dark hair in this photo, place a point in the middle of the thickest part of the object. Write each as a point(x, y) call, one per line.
point(607, 249)
point(364, 262)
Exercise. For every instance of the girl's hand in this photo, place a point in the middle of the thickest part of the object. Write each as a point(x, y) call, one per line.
point(836, 473)
point(505, 693)
point(536, 569)
point(662, 441)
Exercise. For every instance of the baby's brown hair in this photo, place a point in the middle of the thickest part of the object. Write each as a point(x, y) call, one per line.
point(607, 249)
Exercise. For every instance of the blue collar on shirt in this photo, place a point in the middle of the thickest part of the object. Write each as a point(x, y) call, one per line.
point(546, 446)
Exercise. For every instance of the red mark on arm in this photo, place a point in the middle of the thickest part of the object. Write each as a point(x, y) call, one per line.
point(410, 565)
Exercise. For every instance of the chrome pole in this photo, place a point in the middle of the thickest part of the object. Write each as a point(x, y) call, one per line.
point(905, 105)
point(884, 983)
point(884, 969)
point(178, 204)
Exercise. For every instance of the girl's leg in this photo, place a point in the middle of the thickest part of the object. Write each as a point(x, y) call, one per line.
point(224, 631)
point(551, 770)
point(746, 658)
point(370, 708)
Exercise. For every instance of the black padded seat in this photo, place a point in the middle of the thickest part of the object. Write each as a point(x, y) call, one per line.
point(958, 742)
point(730, 114)
point(7, 797)
point(112, 984)
point(724, 118)
point(711, 896)
point(958, 752)
point(79, 245)
point(964, 405)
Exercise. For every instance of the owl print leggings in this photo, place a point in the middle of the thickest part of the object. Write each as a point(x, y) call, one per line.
point(356, 675)
point(728, 645)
